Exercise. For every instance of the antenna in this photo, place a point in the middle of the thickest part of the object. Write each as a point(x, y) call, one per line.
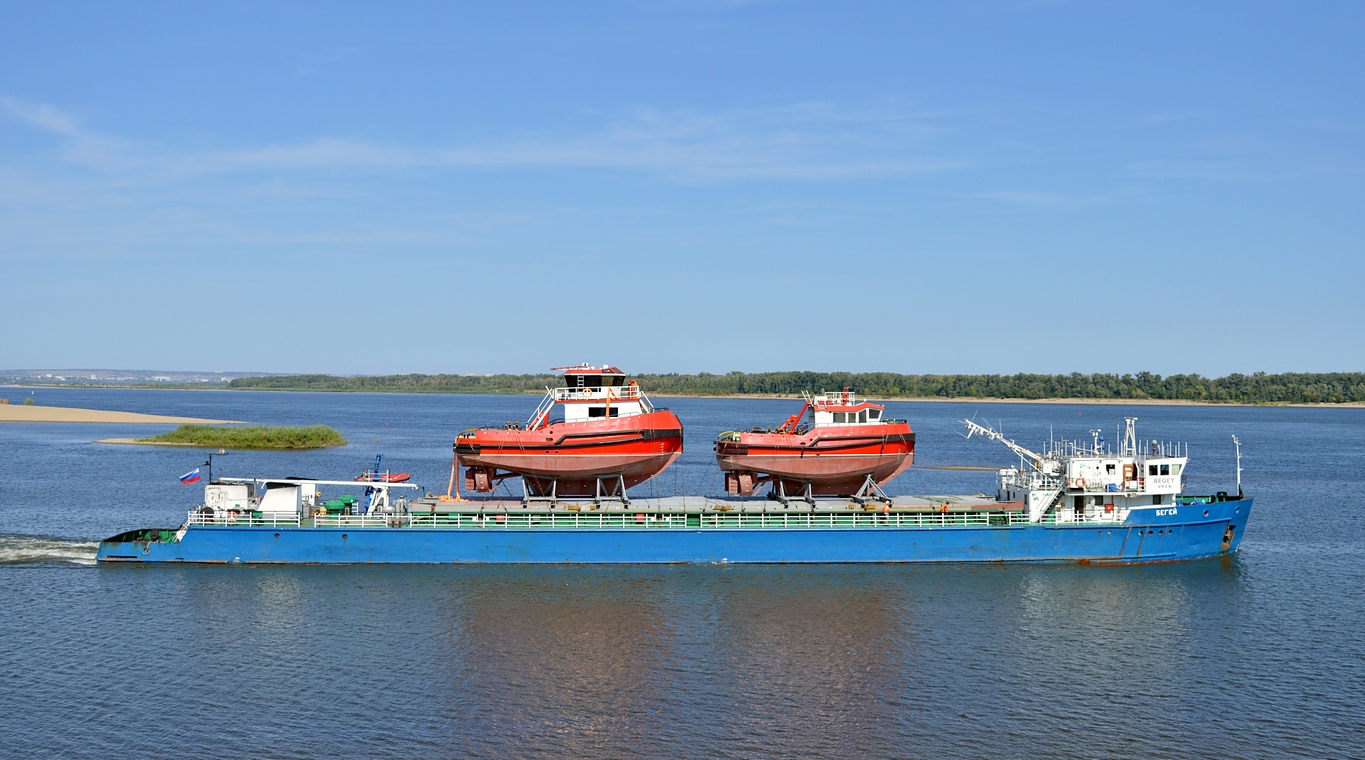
point(1238, 445)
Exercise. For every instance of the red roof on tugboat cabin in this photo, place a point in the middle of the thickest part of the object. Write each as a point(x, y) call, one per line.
point(849, 407)
point(842, 401)
point(588, 369)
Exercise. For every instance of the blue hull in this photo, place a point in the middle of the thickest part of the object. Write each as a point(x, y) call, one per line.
point(1189, 532)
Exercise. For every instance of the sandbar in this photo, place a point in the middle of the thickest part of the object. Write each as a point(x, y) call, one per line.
point(23, 413)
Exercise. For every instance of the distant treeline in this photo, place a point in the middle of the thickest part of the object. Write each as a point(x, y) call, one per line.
point(1259, 388)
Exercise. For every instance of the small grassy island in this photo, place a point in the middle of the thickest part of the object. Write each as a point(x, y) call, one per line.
point(251, 437)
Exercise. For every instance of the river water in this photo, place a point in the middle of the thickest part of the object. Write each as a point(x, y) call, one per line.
point(1253, 656)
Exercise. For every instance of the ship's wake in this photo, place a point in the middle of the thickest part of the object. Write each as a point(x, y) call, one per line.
point(25, 550)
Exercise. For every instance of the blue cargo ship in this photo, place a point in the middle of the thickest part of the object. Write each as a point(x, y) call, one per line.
point(1074, 502)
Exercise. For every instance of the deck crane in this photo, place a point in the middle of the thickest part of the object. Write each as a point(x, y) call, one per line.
point(1043, 486)
point(1045, 465)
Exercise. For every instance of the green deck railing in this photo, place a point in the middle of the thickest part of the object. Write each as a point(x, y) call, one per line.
point(645, 520)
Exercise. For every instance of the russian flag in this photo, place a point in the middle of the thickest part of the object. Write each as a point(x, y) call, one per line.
point(190, 477)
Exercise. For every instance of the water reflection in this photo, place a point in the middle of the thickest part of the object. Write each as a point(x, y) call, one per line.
point(577, 650)
point(653, 660)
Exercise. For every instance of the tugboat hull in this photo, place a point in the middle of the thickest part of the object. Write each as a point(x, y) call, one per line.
point(569, 459)
point(831, 465)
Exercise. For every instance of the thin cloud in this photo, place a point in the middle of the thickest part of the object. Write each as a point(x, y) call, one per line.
point(698, 5)
point(1169, 118)
point(1017, 6)
point(44, 116)
point(1044, 199)
point(1217, 171)
point(82, 147)
point(814, 141)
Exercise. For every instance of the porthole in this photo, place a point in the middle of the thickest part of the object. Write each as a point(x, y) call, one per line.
point(343, 536)
point(1206, 513)
point(277, 537)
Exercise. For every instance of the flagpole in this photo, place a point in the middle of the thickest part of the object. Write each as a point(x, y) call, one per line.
point(209, 464)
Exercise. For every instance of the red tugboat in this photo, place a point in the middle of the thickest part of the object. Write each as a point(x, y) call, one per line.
point(850, 448)
point(596, 435)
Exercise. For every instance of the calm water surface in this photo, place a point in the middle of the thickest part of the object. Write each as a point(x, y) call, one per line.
point(1256, 656)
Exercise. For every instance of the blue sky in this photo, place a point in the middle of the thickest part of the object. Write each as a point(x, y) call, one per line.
point(984, 186)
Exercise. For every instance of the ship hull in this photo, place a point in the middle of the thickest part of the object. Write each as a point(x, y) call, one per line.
point(567, 459)
point(1148, 535)
point(831, 464)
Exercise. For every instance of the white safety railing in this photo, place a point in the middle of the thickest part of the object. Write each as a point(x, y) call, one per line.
point(244, 519)
point(612, 392)
point(867, 519)
point(721, 520)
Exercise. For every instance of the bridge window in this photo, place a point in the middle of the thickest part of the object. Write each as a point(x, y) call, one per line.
point(1151, 470)
point(1165, 469)
point(593, 381)
point(601, 411)
point(862, 416)
point(874, 414)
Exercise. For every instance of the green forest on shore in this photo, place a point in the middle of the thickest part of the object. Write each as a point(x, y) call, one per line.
point(1258, 388)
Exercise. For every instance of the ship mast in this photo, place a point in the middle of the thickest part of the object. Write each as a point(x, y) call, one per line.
point(1238, 444)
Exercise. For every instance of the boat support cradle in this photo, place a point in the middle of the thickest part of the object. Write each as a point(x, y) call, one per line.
point(605, 488)
point(868, 492)
point(871, 492)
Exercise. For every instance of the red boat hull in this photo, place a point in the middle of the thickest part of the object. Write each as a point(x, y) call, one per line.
point(834, 461)
point(388, 477)
point(570, 456)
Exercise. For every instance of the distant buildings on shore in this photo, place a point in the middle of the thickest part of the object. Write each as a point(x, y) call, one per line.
point(116, 377)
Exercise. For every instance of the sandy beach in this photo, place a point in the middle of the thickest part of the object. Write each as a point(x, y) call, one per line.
point(22, 413)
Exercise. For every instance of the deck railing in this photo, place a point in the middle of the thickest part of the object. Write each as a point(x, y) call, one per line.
point(645, 520)
point(361, 521)
point(244, 520)
point(614, 392)
point(720, 520)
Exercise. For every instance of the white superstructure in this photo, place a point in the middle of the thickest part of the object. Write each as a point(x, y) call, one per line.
point(1087, 481)
point(273, 499)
